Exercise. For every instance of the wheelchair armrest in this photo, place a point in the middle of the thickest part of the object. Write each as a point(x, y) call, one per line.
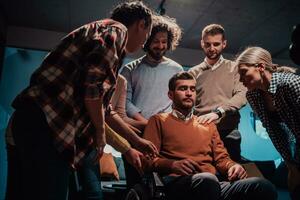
point(156, 186)
point(157, 180)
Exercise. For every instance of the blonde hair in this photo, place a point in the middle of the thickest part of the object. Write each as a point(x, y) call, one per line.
point(257, 55)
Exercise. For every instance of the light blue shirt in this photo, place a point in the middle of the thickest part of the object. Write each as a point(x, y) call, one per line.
point(147, 86)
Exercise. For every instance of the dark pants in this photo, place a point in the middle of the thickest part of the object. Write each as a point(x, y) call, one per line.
point(232, 142)
point(293, 180)
point(40, 172)
point(132, 175)
point(206, 186)
point(13, 186)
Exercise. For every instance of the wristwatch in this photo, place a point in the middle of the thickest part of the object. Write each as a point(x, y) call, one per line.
point(218, 112)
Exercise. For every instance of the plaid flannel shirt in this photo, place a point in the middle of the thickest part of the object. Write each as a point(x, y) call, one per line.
point(83, 65)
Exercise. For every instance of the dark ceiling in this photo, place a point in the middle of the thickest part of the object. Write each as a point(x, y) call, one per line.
point(266, 23)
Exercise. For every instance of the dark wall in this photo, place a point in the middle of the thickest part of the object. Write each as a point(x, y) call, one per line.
point(3, 29)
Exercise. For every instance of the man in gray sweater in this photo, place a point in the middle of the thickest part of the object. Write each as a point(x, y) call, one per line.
point(220, 95)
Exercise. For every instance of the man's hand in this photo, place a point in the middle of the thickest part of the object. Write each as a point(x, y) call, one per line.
point(208, 118)
point(185, 167)
point(134, 158)
point(147, 148)
point(236, 172)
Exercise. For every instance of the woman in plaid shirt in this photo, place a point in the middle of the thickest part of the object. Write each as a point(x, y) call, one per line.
point(274, 95)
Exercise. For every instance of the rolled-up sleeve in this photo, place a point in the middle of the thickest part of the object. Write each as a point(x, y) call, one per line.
point(107, 48)
point(116, 141)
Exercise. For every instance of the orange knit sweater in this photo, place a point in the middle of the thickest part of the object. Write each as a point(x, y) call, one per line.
point(177, 139)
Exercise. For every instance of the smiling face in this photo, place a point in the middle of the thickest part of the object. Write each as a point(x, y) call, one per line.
point(184, 95)
point(158, 46)
point(213, 46)
point(250, 75)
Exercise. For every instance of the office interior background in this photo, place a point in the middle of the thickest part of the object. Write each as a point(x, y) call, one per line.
point(29, 29)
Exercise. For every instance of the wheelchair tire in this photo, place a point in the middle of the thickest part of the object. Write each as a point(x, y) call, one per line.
point(138, 192)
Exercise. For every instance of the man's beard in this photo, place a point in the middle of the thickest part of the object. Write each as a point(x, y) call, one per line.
point(213, 56)
point(157, 56)
point(183, 106)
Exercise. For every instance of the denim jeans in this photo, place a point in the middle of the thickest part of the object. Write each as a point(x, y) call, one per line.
point(89, 178)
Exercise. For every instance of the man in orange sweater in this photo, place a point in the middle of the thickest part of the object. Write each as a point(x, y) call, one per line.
point(193, 160)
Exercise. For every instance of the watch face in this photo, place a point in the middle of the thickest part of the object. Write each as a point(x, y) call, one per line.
point(218, 112)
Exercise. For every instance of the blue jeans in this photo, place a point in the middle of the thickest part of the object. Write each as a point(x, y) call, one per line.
point(89, 178)
point(42, 172)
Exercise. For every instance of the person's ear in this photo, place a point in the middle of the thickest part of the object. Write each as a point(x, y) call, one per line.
point(224, 44)
point(202, 44)
point(171, 95)
point(141, 24)
point(138, 26)
point(261, 67)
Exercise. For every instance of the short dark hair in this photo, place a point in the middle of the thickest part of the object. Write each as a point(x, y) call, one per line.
point(168, 25)
point(213, 29)
point(129, 12)
point(179, 76)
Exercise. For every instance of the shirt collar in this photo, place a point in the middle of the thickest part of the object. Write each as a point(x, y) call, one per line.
point(275, 80)
point(180, 116)
point(216, 65)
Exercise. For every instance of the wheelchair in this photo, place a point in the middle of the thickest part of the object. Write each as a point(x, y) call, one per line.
point(150, 188)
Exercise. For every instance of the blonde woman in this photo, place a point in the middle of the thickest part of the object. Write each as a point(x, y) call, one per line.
point(274, 95)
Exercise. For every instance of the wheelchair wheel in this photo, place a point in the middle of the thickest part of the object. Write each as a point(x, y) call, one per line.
point(138, 192)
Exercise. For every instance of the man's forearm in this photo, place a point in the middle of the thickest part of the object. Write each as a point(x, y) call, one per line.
point(96, 113)
point(235, 103)
point(119, 126)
